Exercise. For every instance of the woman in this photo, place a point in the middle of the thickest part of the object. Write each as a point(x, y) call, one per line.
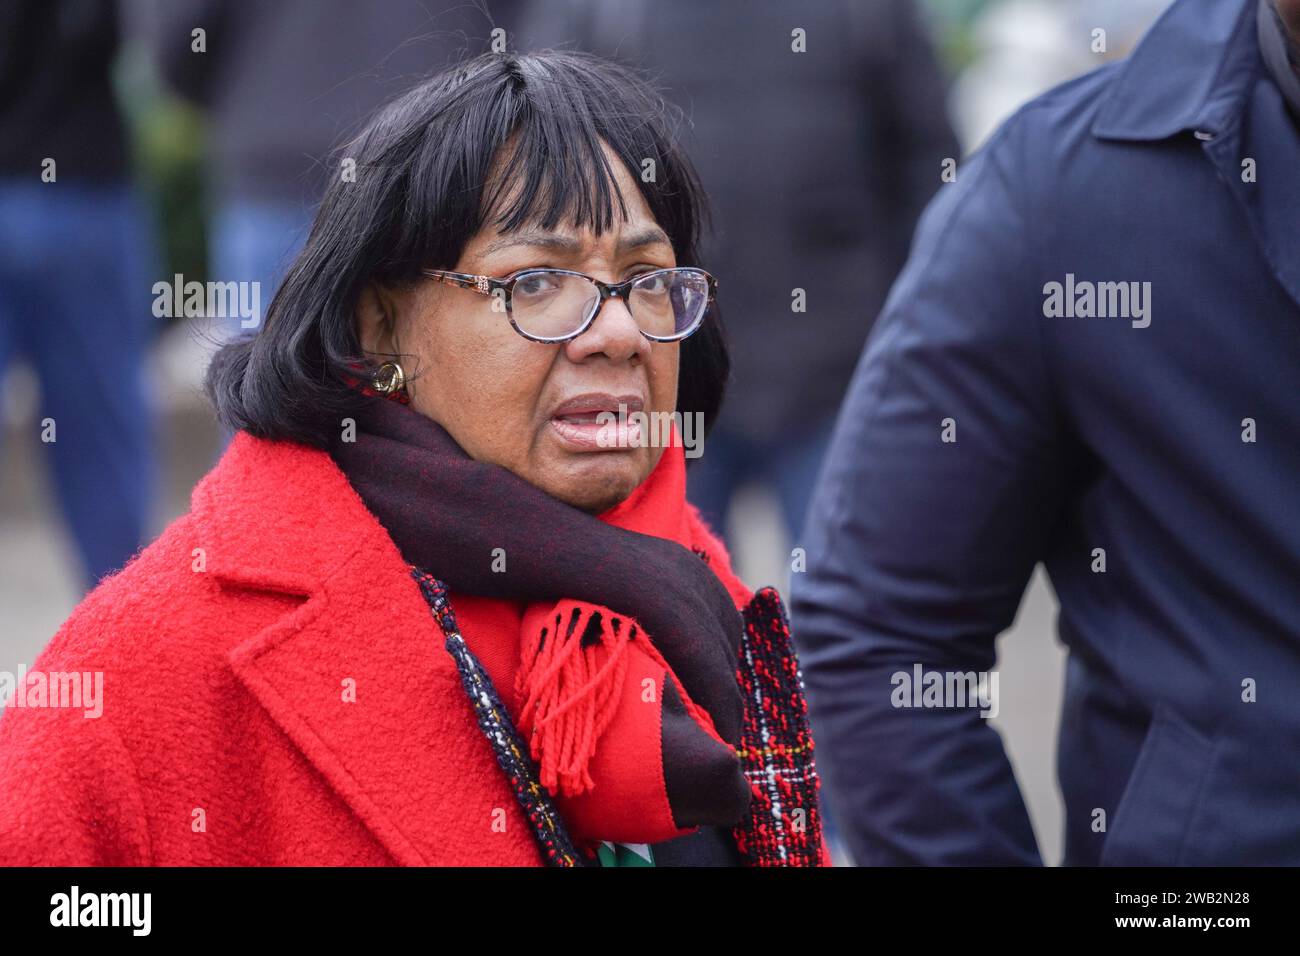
point(442, 601)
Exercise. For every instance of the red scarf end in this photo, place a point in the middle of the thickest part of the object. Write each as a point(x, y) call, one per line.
point(570, 680)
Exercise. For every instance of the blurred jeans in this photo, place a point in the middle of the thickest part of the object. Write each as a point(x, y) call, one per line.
point(76, 273)
point(256, 240)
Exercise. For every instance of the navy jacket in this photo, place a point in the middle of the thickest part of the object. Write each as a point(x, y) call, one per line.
point(1074, 436)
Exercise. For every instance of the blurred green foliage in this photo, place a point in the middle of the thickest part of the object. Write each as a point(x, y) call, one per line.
point(951, 20)
point(169, 143)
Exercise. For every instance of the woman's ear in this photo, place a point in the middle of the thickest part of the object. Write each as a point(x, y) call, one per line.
point(376, 318)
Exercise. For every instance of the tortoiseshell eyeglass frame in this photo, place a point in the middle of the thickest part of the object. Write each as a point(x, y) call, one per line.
point(488, 285)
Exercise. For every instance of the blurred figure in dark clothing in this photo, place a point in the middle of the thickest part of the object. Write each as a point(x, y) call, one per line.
point(75, 269)
point(284, 83)
point(818, 164)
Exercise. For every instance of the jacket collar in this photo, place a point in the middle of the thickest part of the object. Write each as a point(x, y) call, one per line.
point(298, 495)
point(281, 517)
point(1199, 69)
point(1192, 71)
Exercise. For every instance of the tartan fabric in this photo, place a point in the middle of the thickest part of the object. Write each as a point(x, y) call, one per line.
point(783, 825)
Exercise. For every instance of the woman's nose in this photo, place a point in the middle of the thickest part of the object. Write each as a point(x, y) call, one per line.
point(613, 333)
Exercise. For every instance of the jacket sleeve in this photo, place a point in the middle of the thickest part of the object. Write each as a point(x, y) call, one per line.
point(933, 507)
point(68, 792)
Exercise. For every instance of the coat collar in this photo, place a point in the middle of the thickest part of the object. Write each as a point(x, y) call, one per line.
point(1200, 69)
point(298, 495)
point(281, 517)
point(1192, 71)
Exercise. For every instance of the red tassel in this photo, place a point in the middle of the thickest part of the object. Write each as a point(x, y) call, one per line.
point(570, 692)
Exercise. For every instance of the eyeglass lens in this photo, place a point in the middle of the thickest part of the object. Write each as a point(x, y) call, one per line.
point(554, 305)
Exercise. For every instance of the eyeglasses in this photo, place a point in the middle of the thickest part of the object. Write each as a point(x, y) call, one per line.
point(556, 305)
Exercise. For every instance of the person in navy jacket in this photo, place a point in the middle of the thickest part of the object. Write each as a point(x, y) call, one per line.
point(1091, 360)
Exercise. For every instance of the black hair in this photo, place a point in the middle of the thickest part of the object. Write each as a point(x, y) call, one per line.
point(422, 167)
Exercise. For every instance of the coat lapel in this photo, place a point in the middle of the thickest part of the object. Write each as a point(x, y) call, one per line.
point(355, 674)
point(1271, 199)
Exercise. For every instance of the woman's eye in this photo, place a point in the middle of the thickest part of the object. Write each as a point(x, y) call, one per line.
point(655, 284)
point(534, 285)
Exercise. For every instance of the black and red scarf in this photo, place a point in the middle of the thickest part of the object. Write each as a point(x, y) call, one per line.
point(615, 643)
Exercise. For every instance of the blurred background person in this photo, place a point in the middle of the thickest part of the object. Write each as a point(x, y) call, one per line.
point(76, 260)
point(818, 150)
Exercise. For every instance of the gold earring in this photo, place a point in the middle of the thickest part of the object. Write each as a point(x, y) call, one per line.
point(390, 379)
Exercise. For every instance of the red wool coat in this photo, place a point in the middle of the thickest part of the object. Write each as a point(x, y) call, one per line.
point(226, 738)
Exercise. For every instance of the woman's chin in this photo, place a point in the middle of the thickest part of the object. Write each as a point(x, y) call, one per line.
point(595, 481)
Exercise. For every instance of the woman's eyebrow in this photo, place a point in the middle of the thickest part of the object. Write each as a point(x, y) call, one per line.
point(553, 240)
point(544, 240)
point(646, 237)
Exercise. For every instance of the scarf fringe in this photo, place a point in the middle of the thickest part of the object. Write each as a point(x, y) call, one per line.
point(572, 669)
point(570, 679)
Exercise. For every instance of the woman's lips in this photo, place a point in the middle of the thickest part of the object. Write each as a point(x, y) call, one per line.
point(597, 422)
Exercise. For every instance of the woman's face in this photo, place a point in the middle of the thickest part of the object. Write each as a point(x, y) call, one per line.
point(527, 406)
